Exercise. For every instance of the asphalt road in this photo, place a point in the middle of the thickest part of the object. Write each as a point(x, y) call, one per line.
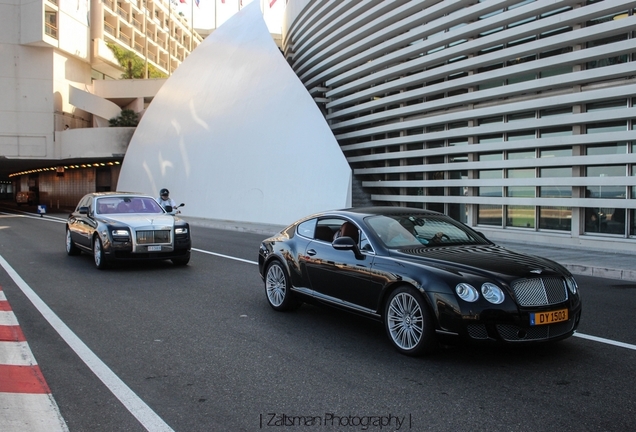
point(201, 348)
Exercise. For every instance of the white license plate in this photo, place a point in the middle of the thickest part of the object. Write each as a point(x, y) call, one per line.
point(154, 248)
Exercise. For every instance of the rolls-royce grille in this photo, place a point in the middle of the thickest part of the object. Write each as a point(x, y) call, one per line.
point(153, 237)
point(540, 291)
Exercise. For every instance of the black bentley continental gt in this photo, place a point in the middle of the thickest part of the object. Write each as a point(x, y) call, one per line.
point(423, 274)
point(126, 226)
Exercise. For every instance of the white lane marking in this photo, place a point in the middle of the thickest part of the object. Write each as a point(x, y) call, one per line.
point(32, 216)
point(225, 256)
point(137, 407)
point(606, 341)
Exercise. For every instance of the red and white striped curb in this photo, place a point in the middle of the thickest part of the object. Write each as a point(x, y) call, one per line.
point(26, 402)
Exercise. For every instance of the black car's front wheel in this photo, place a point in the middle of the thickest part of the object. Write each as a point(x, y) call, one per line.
point(277, 288)
point(408, 322)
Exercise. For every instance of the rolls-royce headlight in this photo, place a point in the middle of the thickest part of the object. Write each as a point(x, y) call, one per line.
point(572, 286)
point(492, 293)
point(120, 233)
point(182, 230)
point(467, 292)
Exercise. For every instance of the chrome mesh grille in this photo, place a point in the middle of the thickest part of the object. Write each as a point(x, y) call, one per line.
point(477, 331)
point(540, 291)
point(512, 333)
point(153, 237)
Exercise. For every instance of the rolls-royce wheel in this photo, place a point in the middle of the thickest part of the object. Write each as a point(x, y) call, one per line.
point(98, 254)
point(71, 249)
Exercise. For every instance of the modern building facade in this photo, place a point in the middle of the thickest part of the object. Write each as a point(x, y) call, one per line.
point(515, 117)
point(60, 85)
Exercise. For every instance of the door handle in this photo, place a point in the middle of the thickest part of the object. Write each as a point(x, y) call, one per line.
point(311, 252)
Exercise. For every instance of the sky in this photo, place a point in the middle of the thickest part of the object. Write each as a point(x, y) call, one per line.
point(209, 14)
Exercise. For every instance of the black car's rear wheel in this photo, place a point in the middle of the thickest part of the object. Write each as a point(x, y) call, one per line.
point(277, 288)
point(408, 322)
point(98, 253)
point(71, 249)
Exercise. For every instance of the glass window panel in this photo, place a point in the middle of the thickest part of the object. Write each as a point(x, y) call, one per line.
point(491, 191)
point(490, 157)
point(632, 230)
point(521, 116)
point(556, 152)
point(605, 220)
point(550, 112)
point(555, 132)
point(520, 216)
point(457, 142)
point(618, 148)
point(490, 138)
point(555, 191)
point(606, 171)
point(489, 214)
point(605, 105)
point(521, 155)
point(458, 158)
point(606, 127)
point(489, 120)
point(459, 212)
point(555, 218)
point(606, 191)
point(521, 135)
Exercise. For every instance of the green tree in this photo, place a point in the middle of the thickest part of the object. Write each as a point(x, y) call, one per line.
point(127, 118)
point(134, 66)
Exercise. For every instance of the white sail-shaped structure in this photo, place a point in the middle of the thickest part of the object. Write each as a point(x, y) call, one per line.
point(235, 135)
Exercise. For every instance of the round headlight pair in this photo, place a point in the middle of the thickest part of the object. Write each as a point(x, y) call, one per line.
point(490, 291)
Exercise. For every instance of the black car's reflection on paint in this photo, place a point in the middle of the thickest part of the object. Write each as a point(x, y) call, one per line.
point(423, 274)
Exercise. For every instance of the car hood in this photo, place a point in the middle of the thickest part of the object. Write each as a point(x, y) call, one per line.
point(142, 221)
point(482, 259)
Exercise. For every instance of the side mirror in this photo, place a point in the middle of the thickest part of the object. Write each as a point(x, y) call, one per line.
point(347, 244)
point(181, 205)
point(83, 210)
point(168, 208)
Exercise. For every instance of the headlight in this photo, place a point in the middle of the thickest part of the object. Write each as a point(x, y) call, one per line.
point(467, 292)
point(572, 286)
point(180, 230)
point(492, 293)
point(120, 233)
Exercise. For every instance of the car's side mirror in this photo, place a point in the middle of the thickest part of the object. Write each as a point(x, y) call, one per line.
point(83, 210)
point(345, 244)
point(168, 208)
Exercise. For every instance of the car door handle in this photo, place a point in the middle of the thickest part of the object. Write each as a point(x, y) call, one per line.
point(311, 252)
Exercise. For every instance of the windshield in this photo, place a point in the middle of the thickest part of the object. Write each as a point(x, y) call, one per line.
point(111, 205)
point(399, 231)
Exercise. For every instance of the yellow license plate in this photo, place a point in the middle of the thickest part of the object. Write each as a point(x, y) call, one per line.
point(541, 318)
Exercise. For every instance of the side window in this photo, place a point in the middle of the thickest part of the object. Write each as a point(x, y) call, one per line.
point(306, 229)
point(326, 228)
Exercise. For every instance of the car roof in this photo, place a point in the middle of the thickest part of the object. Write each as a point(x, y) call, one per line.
point(359, 213)
point(117, 194)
